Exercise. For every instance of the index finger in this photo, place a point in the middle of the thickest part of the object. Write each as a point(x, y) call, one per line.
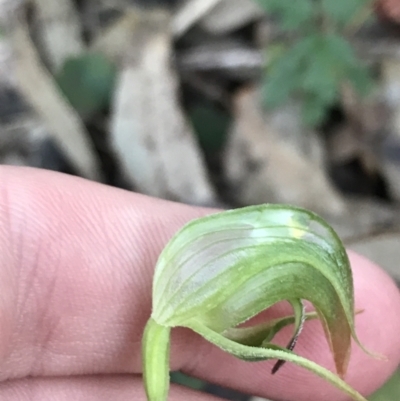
point(76, 274)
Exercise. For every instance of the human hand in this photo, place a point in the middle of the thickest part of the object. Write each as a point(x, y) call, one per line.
point(76, 274)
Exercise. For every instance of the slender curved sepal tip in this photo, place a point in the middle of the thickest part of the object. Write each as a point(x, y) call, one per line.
point(274, 352)
point(155, 354)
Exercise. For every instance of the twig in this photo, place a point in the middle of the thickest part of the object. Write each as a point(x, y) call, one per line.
point(151, 137)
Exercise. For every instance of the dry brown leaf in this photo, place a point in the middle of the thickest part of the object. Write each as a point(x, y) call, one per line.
point(262, 168)
point(150, 134)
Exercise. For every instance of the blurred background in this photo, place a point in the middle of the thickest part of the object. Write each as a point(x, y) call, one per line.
point(220, 103)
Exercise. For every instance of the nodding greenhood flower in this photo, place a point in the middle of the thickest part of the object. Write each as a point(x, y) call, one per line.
point(221, 270)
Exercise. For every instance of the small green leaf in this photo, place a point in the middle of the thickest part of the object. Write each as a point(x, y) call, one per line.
point(342, 11)
point(221, 270)
point(314, 110)
point(284, 73)
point(360, 79)
point(87, 82)
point(320, 78)
point(277, 89)
point(339, 50)
point(291, 16)
point(295, 17)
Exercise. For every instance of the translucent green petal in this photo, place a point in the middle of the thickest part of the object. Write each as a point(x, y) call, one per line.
point(208, 251)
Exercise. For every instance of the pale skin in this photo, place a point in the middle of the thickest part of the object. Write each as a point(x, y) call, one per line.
point(76, 268)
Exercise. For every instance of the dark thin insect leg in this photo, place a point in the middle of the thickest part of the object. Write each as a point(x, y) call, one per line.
point(292, 342)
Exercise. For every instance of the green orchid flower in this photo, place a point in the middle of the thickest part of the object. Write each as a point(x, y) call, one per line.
point(221, 270)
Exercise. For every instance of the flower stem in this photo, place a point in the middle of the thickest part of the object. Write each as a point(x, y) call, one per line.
point(155, 354)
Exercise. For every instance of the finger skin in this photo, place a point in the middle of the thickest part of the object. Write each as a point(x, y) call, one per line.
point(76, 272)
point(97, 388)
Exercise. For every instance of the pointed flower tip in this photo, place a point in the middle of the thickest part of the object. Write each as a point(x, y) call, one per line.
point(370, 353)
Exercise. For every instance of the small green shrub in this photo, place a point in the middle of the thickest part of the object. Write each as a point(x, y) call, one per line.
point(87, 81)
point(315, 58)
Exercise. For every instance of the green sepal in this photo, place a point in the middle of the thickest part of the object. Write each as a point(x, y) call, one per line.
point(273, 352)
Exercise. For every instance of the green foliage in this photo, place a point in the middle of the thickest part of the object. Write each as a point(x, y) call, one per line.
point(87, 81)
point(292, 14)
point(211, 126)
point(390, 391)
point(317, 59)
point(342, 11)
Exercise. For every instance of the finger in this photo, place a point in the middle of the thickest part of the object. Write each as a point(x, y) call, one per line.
point(77, 277)
point(76, 272)
point(96, 388)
